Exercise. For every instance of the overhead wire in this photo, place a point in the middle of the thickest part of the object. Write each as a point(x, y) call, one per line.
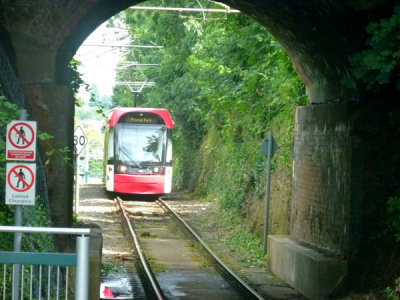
point(130, 49)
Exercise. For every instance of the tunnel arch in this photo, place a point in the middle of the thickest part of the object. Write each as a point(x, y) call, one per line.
point(315, 35)
point(319, 36)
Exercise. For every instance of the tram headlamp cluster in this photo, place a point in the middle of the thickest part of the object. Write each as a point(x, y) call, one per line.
point(122, 169)
point(158, 170)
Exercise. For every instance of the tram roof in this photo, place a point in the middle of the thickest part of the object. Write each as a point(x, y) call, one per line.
point(120, 111)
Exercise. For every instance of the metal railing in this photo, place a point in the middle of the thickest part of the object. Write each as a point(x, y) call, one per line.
point(45, 275)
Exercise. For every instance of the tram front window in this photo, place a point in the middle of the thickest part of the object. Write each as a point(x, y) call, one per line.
point(140, 145)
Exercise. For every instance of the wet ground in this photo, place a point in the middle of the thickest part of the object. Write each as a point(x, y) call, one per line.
point(180, 268)
point(118, 274)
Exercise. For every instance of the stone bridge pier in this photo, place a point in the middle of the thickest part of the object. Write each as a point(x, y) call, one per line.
point(41, 37)
point(52, 105)
point(345, 139)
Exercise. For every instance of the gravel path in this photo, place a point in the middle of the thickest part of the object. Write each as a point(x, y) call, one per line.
point(98, 208)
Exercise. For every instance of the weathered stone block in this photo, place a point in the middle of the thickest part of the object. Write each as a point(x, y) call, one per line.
point(314, 274)
point(322, 176)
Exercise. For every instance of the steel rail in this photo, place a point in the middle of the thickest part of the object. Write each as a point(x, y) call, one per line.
point(234, 280)
point(150, 279)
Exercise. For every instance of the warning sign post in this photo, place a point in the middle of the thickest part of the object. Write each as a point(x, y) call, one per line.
point(21, 141)
point(21, 183)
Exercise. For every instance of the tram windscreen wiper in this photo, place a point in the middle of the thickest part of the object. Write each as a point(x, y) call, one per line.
point(126, 154)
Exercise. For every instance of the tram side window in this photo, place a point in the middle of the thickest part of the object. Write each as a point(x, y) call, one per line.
point(168, 157)
point(110, 147)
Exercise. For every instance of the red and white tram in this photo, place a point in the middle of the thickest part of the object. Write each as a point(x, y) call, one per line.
point(138, 151)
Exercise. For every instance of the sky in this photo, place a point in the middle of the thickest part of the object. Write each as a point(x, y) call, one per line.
point(99, 62)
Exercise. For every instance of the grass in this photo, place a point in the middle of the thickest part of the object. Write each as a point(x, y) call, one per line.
point(229, 229)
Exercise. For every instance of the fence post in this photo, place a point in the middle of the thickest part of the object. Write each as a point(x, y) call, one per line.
point(82, 268)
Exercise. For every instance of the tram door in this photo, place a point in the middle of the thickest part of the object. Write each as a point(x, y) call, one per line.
point(109, 160)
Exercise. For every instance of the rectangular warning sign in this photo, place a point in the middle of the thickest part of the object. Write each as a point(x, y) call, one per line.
point(21, 140)
point(20, 155)
point(21, 183)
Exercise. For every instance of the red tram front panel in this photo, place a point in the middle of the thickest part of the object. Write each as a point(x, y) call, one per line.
point(139, 184)
point(138, 151)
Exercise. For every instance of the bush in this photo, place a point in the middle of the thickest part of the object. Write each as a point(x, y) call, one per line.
point(394, 218)
point(8, 112)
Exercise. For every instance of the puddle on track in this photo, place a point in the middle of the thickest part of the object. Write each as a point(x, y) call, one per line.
point(202, 284)
point(116, 285)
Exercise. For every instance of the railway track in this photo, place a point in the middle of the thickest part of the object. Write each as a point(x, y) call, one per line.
point(149, 282)
point(227, 273)
point(143, 220)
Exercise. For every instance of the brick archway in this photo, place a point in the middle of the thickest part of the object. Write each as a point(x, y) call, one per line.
point(317, 35)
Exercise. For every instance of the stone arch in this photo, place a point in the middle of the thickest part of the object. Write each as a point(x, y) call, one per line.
point(316, 36)
point(319, 36)
point(97, 14)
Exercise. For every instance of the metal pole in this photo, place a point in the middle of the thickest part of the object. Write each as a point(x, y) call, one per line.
point(17, 248)
point(50, 230)
point(267, 190)
point(82, 268)
point(76, 183)
point(17, 235)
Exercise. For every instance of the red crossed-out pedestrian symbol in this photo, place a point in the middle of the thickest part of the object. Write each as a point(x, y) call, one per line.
point(21, 178)
point(21, 135)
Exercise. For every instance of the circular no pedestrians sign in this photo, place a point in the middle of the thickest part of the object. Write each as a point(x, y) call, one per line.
point(20, 185)
point(21, 140)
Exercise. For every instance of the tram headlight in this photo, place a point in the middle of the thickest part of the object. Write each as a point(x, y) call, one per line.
point(122, 169)
point(158, 170)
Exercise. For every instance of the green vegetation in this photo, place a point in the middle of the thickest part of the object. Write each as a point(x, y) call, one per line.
point(233, 233)
point(92, 119)
point(8, 112)
point(376, 70)
point(227, 82)
point(393, 293)
point(394, 213)
point(378, 65)
point(38, 215)
point(52, 151)
point(76, 80)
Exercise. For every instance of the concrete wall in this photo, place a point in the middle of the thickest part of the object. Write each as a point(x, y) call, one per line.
point(311, 272)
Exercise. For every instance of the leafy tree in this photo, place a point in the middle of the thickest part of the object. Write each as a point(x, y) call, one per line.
point(76, 80)
point(227, 82)
point(378, 66)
